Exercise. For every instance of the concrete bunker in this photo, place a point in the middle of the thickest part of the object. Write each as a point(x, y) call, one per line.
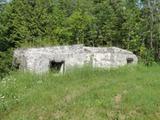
point(62, 58)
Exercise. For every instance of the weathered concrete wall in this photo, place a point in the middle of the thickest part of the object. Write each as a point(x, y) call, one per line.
point(38, 59)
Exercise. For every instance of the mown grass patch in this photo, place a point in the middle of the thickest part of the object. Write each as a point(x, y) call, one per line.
point(127, 93)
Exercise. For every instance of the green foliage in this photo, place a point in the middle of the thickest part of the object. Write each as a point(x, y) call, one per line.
point(106, 24)
point(77, 24)
point(147, 56)
point(29, 22)
point(2, 4)
point(131, 29)
point(5, 63)
point(127, 24)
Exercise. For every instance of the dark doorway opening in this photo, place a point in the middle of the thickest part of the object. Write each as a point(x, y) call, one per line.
point(56, 67)
point(17, 66)
point(129, 60)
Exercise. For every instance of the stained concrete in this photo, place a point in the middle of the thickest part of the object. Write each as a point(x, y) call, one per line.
point(41, 60)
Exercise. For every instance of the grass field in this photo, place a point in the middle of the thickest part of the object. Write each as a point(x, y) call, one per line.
point(127, 93)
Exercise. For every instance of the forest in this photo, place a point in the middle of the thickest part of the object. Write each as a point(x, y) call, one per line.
point(130, 24)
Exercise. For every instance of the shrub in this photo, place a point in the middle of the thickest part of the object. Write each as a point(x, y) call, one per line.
point(5, 63)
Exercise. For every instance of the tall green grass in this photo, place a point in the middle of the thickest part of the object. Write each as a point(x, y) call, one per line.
point(127, 93)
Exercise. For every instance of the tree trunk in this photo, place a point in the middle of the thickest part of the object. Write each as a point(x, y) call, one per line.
point(151, 23)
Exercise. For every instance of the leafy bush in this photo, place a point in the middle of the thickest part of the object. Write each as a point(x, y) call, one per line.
point(147, 56)
point(5, 63)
